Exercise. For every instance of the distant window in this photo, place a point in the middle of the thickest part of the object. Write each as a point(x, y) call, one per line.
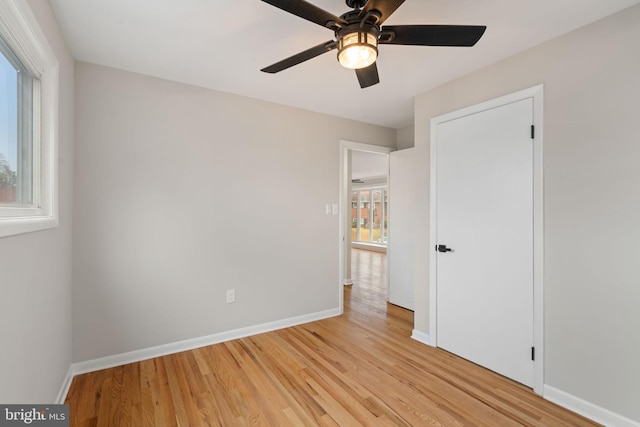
point(369, 225)
point(28, 123)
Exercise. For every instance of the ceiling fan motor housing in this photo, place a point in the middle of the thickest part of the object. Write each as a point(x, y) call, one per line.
point(361, 27)
point(356, 4)
point(355, 23)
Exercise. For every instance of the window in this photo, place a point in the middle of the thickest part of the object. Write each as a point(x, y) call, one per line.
point(369, 216)
point(16, 130)
point(28, 128)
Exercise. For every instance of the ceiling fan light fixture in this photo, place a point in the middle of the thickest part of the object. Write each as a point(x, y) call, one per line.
point(357, 49)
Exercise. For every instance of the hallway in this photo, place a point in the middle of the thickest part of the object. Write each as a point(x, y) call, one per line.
point(365, 302)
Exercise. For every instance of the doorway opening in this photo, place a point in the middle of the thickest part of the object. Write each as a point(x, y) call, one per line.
point(368, 294)
point(364, 210)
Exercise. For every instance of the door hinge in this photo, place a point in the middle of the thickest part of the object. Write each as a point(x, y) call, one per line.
point(533, 132)
point(533, 353)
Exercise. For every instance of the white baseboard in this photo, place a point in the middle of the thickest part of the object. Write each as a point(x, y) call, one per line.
point(566, 400)
point(421, 337)
point(369, 247)
point(559, 397)
point(587, 409)
point(66, 383)
point(190, 344)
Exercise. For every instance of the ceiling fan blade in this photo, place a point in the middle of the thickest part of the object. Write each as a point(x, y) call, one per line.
point(368, 76)
point(432, 35)
point(301, 57)
point(307, 11)
point(385, 7)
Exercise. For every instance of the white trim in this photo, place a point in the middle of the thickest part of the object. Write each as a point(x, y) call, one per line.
point(538, 238)
point(371, 183)
point(190, 344)
point(421, 337)
point(587, 409)
point(343, 206)
point(25, 35)
point(373, 247)
point(432, 289)
point(370, 148)
point(66, 384)
point(536, 93)
point(20, 29)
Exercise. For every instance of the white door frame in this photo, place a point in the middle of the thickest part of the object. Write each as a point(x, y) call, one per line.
point(536, 93)
point(344, 238)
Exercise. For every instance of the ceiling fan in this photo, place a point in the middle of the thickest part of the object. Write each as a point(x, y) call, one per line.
point(359, 32)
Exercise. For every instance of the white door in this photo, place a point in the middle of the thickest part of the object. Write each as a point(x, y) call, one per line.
point(401, 226)
point(484, 214)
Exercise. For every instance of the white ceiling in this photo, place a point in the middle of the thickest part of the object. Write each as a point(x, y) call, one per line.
point(368, 165)
point(223, 45)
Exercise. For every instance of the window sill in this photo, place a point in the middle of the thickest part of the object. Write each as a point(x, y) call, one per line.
point(13, 226)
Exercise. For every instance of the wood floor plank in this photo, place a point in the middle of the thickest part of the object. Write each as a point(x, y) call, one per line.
point(358, 369)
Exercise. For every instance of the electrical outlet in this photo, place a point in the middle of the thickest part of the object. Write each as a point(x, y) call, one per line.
point(231, 296)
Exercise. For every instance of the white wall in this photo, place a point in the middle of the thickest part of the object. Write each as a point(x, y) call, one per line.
point(402, 196)
point(182, 193)
point(405, 137)
point(35, 270)
point(592, 176)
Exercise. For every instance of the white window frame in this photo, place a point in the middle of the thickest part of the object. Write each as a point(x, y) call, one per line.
point(20, 29)
point(370, 205)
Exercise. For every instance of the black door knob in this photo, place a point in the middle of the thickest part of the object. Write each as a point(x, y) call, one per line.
point(443, 248)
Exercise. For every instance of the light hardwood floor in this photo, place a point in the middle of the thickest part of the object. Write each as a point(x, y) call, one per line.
point(361, 368)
